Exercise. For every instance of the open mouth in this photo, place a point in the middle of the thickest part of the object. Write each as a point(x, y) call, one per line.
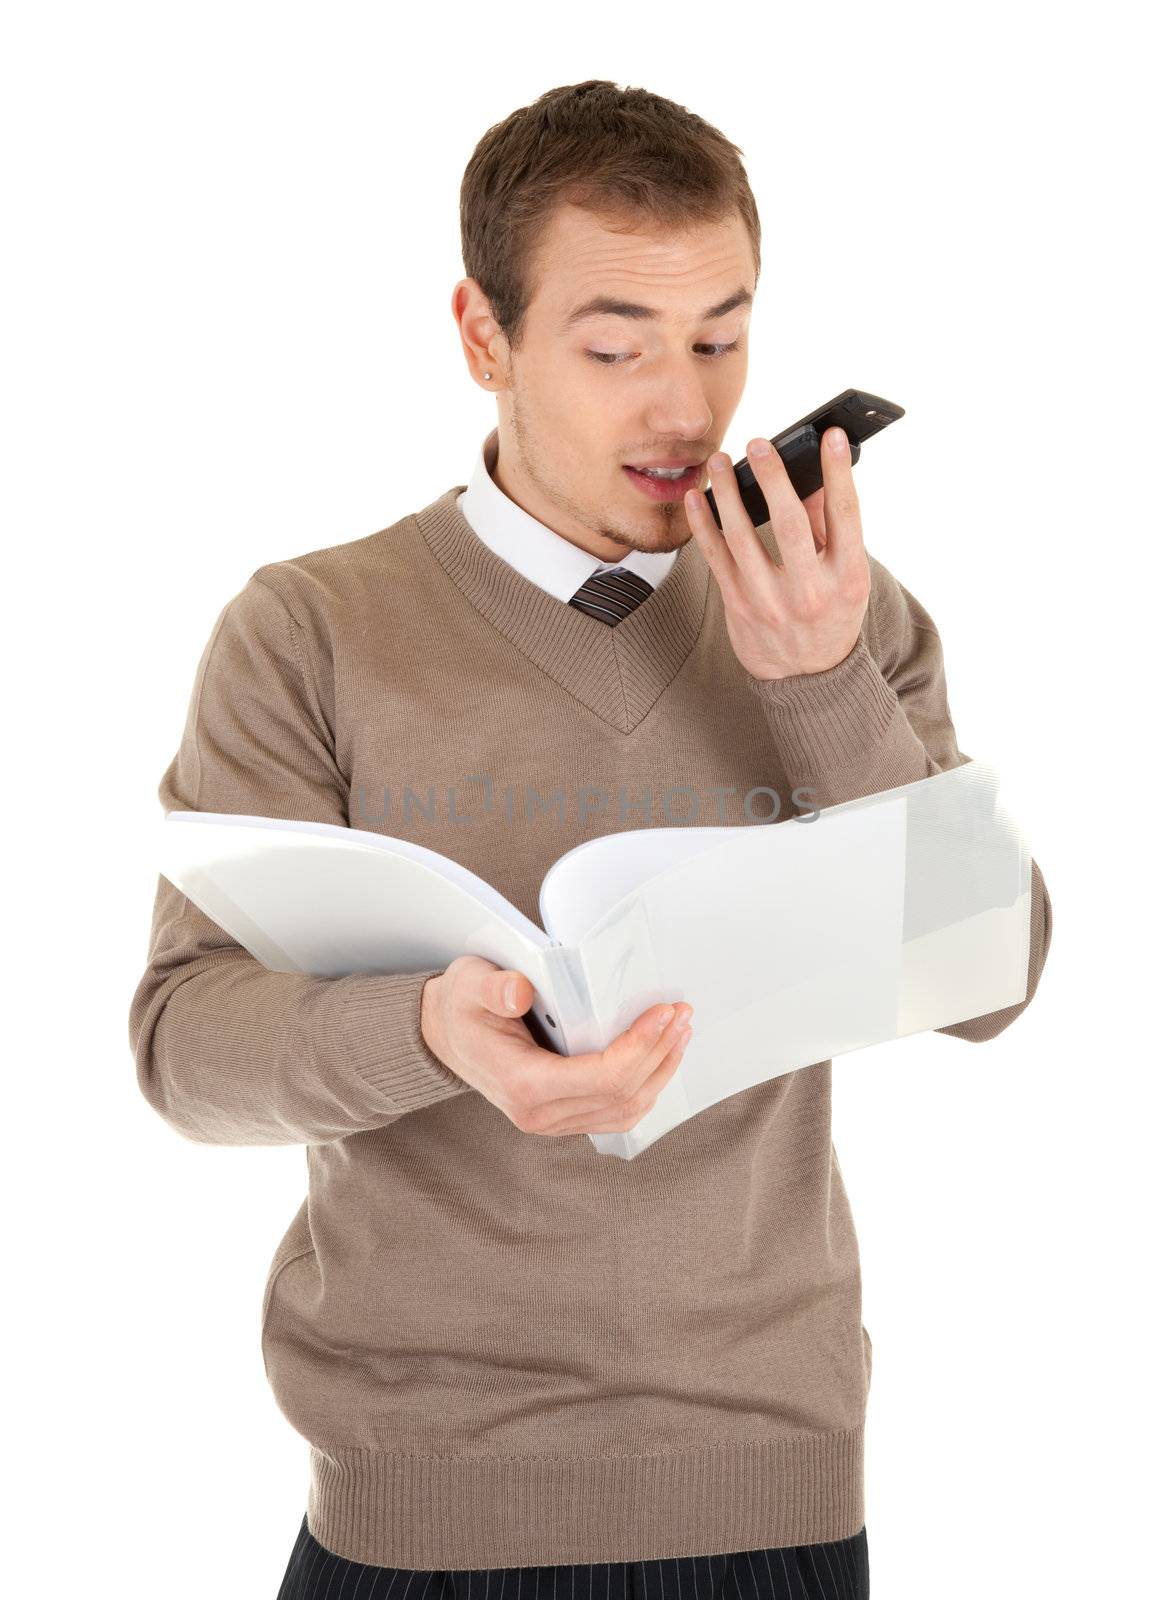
point(660, 484)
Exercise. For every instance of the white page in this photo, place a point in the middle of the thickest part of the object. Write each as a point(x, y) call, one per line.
point(786, 940)
point(963, 946)
point(967, 910)
point(330, 900)
point(594, 876)
point(966, 969)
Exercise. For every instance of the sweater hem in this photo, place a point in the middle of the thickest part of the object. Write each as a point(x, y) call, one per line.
point(459, 1512)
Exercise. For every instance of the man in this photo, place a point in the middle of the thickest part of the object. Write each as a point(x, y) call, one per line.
point(516, 1359)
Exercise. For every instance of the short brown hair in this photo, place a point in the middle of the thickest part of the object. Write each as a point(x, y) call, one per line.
point(625, 154)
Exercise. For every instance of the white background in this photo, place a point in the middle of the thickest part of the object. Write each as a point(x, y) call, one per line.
point(232, 241)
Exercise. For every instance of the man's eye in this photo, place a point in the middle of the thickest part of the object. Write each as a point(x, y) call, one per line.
point(710, 352)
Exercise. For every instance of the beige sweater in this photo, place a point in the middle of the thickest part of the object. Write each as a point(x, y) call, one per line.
point(507, 1349)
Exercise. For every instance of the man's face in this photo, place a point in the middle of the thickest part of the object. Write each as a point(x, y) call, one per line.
point(583, 399)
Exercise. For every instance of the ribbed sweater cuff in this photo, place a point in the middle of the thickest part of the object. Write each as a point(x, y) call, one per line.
point(842, 732)
point(823, 718)
point(382, 1028)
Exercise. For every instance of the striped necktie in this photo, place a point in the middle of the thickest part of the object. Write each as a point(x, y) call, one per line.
point(611, 596)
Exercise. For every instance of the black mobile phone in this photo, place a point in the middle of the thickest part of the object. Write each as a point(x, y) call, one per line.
point(859, 415)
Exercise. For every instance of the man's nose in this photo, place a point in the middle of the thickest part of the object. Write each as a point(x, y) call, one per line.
point(680, 408)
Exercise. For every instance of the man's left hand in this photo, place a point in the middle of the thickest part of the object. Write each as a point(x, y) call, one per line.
point(804, 615)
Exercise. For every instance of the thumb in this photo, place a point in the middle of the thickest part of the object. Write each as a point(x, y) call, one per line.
point(510, 994)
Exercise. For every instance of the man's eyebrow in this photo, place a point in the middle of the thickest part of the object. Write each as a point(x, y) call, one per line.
point(604, 305)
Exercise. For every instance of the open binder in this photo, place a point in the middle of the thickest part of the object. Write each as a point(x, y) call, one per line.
point(793, 941)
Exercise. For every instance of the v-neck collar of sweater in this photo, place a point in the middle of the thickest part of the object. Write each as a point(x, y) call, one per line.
point(618, 672)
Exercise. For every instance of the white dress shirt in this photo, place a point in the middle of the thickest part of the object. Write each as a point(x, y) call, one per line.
point(533, 549)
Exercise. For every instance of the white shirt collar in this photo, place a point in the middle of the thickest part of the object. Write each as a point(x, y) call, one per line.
point(535, 550)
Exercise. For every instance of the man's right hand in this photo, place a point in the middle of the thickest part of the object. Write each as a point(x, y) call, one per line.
point(472, 1020)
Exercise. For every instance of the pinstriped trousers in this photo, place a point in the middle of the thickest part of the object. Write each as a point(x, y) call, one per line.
point(835, 1571)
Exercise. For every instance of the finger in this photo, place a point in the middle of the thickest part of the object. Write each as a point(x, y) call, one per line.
point(787, 515)
point(844, 525)
point(754, 562)
point(710, 539)
point(565, 1084)
point(506, 994)
point(648, 1092)
point(814, 510)
point(632, 1060)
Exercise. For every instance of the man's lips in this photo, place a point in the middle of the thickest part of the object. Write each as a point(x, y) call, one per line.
point(665, 488)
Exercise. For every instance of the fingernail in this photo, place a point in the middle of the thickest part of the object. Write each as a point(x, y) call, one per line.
point(662, 1019)
point(759, 447)
point(683, 1019)
point(511, 994)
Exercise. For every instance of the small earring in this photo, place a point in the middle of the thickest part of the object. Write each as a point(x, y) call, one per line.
point(488, 374)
